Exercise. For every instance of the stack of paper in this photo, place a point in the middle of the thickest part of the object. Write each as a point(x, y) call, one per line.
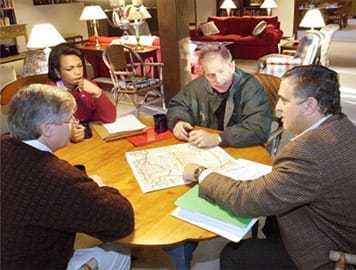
point(123, 126)
point(200, 212)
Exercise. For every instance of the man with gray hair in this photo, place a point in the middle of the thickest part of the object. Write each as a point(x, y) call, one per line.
point(224, 98)
point(45, 201)
point(312, 187)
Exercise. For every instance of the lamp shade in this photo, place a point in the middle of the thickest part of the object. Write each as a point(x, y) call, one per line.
point(138, 13)
point(312, 19)
point(43, 36)
point(228, 4)
point(92, 13)
point(269, 4)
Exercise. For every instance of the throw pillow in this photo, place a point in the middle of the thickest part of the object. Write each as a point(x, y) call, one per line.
point(209, 28)
point(259, 28)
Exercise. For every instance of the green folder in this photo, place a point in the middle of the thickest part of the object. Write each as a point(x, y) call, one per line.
point(192, 202)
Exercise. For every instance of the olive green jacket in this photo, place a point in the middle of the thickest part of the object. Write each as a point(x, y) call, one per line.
point(248, 113)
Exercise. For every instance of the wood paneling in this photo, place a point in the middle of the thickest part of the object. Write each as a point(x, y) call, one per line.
point(173, 20)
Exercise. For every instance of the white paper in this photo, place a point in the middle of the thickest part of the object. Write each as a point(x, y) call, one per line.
point(162, 167)
point(243, 169)
point(233, 233)
point(124, 124)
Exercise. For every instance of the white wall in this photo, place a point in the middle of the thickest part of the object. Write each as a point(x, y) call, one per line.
point(65, 17)
point(205, 8)
point(285, 13)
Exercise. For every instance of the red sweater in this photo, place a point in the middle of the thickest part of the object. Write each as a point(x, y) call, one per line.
point(45, 201)
point(93, 109)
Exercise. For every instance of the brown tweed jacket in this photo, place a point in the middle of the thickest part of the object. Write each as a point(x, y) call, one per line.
point(311, 190)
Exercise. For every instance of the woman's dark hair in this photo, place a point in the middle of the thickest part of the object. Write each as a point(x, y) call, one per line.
point(319, 82)
point(54, 56)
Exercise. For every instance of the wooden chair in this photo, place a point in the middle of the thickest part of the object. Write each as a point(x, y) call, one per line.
point(11, 88)
point(271, 84)
point(129, 75)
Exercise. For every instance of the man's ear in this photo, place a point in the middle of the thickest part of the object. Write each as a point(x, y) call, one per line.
point(312, 105)
point(46, 129)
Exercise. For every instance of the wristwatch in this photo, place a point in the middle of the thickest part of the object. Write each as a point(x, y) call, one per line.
point(197, 172)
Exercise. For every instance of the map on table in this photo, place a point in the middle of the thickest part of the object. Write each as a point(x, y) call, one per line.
point(159, 168)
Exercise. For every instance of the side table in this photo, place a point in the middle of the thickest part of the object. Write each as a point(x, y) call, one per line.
point(291, 45)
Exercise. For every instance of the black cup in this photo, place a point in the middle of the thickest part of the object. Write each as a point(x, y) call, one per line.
point(160, 120)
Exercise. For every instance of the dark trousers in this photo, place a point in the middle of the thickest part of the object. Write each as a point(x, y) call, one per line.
point(266, 254)
point(250, 254)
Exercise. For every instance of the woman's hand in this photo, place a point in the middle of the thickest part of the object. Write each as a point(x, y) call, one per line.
point(89, 87)
point(77, 134)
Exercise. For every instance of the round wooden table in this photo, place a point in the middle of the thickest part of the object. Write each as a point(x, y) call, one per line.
point(154, 226)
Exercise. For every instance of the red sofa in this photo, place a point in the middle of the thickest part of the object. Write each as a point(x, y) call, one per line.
point(239, 30)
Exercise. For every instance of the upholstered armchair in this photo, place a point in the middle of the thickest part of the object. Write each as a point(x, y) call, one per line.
point(278, 64)
point(327, 31)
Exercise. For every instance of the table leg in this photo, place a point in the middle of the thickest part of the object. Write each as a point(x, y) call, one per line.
point(182, 254)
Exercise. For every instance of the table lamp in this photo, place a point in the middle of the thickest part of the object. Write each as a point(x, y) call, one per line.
point(228, 5)
point(269, 4)
point(43, 36)
point(119, 16)
point(312, 19)
point(93, 13)
point(138, 14)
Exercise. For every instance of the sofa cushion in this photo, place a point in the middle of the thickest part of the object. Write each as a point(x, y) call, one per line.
point(259, 28)
point(221, 23)
point(209, 28)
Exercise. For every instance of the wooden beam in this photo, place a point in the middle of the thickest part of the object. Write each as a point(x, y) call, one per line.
point(173, 21)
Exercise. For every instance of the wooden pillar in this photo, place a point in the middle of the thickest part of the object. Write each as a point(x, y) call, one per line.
point(173, 21)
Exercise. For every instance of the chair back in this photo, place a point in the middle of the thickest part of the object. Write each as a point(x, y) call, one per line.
point(308, 48)
point(120, 58)
point(328, 32)
point(271, 85)
point(9, 90)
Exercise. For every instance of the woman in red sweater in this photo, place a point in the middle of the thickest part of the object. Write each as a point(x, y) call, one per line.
point(65, 70)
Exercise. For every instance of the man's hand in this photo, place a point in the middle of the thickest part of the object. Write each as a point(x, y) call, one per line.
point(89, 87)
point(203, 139)
point(188, 173)
point(181, 130)
point(77, 134)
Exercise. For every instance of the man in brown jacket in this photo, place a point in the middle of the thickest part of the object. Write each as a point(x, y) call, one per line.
point(45, 201)
point(311, 189)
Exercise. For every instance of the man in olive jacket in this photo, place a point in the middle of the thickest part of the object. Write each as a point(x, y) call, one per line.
point(226, 99)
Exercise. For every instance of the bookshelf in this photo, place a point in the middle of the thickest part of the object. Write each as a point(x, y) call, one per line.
point(10, 32)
